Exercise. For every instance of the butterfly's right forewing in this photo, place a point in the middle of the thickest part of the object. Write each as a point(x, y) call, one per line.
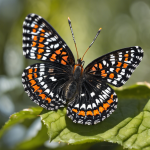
point(116, 67)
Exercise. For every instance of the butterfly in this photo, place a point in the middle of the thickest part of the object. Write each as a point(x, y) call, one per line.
point(58, 81)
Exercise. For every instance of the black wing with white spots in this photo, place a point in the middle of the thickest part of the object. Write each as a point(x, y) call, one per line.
point(42, 42)
point(95, 103)
point(45, 84)
point(116, 67)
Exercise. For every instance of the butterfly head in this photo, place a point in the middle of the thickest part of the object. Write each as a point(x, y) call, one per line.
point(80, 62)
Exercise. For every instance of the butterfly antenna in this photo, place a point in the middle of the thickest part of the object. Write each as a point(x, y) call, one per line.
point(93, 41)
point(69, 21)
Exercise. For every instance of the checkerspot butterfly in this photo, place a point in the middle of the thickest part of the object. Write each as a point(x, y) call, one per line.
point(58, 80)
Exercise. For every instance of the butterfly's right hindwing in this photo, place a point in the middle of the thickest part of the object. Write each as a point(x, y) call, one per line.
point(95, 102)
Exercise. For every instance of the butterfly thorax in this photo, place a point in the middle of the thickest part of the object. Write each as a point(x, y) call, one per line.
point(75, 80)
point(78, 70)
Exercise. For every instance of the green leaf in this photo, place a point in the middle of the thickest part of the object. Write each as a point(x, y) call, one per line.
point(128, 125)
point(36, 141)
point(19, 117)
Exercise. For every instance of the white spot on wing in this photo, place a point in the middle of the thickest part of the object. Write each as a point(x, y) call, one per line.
point(53, 79)
point(83, 106)
point(92, 94)
point(77, 106)
point(94, 105)
point(89, 106)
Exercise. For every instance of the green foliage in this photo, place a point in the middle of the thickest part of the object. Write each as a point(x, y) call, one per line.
point(128, 126)
point(20, 117)
point(36, 141)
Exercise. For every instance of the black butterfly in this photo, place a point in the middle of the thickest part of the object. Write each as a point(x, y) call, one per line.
point(59, 80)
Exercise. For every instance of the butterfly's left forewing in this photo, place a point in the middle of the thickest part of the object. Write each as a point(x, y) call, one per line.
point(42, 42)
point(116, 67)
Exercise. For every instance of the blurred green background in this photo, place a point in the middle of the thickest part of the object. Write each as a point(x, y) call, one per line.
point(124, 24)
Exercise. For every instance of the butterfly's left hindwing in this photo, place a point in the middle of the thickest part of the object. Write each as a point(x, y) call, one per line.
point(42, 42)
point(44, 83)
point(116, 67)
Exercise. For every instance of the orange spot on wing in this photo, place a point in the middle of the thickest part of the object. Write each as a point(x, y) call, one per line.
point(48, 99)
point(82, 113)
point(34, 30)
point(35, 75)
point(58, 51)
point(119, 64)
point(106, 105)
point(126, 59)
point(101, 109)
point(35, 87)
point(40, 50)
point(63, 53)
point(42, 34)
point(41, 39)
point(104, 75)
point(30, 76)
point(36, 26)
point(95, 65)
point(32, 82)
point(30, 70)
point(111, 96)
point(35, 70)
point(53, 57)
point(42, 30)
point(39, 56)
point(63, 62)
point(110, 101)
point(103, 72)
point(40, 91)
point(65, 58)
point(33, 44)
point(93, 68)
point(126, 55)
point(96, 112)
point(42, 96)
point(41, 45)
point(117, 70)
point(35, 38)
point(100, 66)
point(89, 113)
point(111, 76)
point(125, 65)
point(74, 110)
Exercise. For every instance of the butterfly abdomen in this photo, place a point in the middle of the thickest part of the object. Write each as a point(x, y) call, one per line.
point(71, 90)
